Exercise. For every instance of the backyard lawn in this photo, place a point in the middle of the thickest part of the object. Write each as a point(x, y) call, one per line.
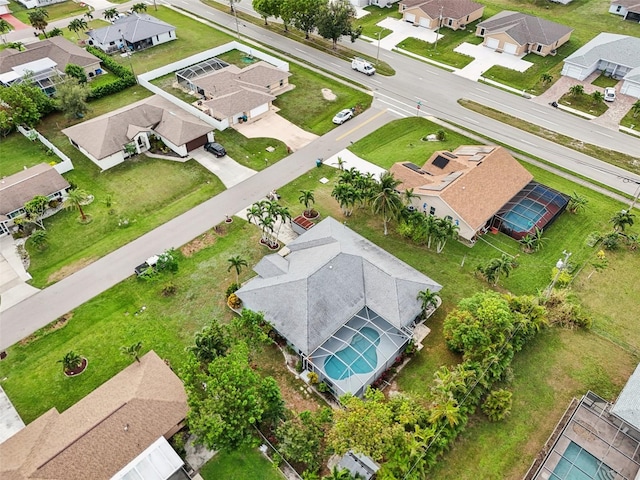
point(17, 152)
point(56, 11)
point(240, 465)
point(376, 14)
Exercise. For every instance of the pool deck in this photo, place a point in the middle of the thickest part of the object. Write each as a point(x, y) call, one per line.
point(602, 434)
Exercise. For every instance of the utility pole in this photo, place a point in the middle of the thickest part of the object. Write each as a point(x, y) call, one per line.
point(560, 265)
point(435, 45)
point(636, 195)
point(378, 52)
point(235, 14)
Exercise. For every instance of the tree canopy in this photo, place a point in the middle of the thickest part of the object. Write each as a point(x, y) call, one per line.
point(336, 20)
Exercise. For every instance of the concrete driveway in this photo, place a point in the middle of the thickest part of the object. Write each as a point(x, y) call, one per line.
point(403, 30)
point(226, 168)
point(13, 276)
point(485, 58)
point(272, 125)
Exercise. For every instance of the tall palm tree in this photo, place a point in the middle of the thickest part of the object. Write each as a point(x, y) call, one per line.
point(139, 7)
point(132, 350)
point(77, 25)
point(5, 27)
point(386, 200)
point(408, 196)
point(75, 199)
point(237, 262)
point(110, 14)
point(446, 230)
point(254, 213)
point(307, 199)
point(622, 219)
point(88, 14)
point(503, 265)
point(345, 195)
point(283, 214)
point(431, 228)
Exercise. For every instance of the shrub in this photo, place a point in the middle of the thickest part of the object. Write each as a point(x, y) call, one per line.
point(125, 78)
point(564, 277)
point(611, 241)
point(168, 261)
point(323, 387)
point(54, 203)
point(313, 378)
point(233, 301)
point(299, 366)
point(497, 405)
point(76, 71)
point(233, 288)
point(169, 290)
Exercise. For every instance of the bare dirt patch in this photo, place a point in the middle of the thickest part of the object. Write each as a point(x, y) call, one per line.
point(200, 243)
point(53, 326)
point(327, 94)
point(69, 269)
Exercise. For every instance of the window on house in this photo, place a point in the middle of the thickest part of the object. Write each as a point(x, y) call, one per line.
point(432, 211)
point(449, 217)
point(282, 83)
point(618, 8)
point(539, 48)
point(482, 32)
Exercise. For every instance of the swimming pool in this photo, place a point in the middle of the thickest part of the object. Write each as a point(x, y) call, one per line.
point(578, 464)
point(360, 356)
point(524, 215)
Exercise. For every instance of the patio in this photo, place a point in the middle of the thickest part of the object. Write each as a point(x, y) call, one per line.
point(485, 58)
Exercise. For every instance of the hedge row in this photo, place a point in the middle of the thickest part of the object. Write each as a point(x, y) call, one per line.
point(125, 79)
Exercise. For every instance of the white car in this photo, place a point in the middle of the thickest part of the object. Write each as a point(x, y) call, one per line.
point(609, 94)
point(342, 116)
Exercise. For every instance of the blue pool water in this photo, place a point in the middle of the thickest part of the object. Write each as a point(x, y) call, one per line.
point(359, 357)
point(523, 216)
point(579, 464)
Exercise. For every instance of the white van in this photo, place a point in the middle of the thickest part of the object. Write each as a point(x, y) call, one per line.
point(361, 65)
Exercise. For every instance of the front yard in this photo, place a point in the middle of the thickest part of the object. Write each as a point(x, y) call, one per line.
point(56, 11)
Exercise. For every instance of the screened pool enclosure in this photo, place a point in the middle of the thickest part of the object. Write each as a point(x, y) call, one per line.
point(355, 355)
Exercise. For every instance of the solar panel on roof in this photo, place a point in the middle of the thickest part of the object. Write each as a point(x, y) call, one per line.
point(440, 161)
point(414, 167)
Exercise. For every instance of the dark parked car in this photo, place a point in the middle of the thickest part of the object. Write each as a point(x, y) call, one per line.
point(215, 148)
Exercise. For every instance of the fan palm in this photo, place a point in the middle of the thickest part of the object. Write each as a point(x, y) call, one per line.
point(386, 200)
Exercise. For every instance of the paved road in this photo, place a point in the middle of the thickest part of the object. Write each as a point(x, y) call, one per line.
point(47, 305)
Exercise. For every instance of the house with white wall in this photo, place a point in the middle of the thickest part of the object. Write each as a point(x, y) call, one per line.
point(136, 31)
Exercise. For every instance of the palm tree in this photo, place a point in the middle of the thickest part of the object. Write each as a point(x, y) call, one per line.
point(38, 19)
point(5, 27)
point(75, 199)
point(283, 214)
point(447, 410)
point(533, 242)
point(132, 350)
point(77, 24)
point(577, 203)
point(386, 200)
point(408, 196)
point(254, 213)
point(597, 96)
point(338, 474)
point(622, 219)
point(636, 109)
point(546, 78)
point(431, 227)
point(88, 14)
point(340, 163)
point(446, 230)
point(307, 199)
point(139, 7)
point(70, 361)
point(428, 299)
point(576, 90)
point(237, 262)
point(110, 14)
point(345, 195)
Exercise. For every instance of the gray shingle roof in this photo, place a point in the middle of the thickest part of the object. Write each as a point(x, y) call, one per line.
point(630, 5)
point(524, 28)
point(107, 134)
point(611, 47)
point(17, 189)
point(133, 28)
point(330, 274)
point(627, 405)
point(58, 49)
point(450, 9)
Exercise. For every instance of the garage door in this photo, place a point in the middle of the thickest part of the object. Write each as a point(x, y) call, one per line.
point(492, 43)
point(198, 142)
point(510, 48)
point(631, 90)
point(424, 22)
point(259, 110)
point(573, 72)
point(410, 17)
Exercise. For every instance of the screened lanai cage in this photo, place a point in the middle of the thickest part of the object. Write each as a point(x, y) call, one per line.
point(535, 206)
point(186, 76)
point(354, 356)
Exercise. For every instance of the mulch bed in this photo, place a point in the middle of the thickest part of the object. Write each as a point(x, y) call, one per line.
point(77, 371)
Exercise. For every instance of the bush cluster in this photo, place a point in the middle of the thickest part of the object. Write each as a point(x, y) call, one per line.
point(125, 78)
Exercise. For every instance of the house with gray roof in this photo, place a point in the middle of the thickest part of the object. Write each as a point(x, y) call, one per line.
point(110, 139)
point(617, 56)
point(627, 406)
point(45, 62)
point(628, 9)
point(431, 14)
point(237, 94)
point(518, 33)
point(132, 32)
point(345, 305)
point(18, 189)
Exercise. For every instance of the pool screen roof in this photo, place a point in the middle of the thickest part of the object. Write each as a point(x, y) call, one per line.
point(203, 68)
point(363, 364)
point(537, 192)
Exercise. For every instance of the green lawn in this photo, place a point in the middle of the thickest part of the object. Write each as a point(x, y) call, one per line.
point(56, 11)
point(376, 14)
point(240, 465)
point(17, 152)
point(443, 51)
point(251, 152)
point(605, 81)
point(631, 120)
point(585, 103)
point(306, 107)
point(75, 37)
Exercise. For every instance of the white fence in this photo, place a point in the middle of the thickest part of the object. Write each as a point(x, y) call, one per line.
point(65, 164)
